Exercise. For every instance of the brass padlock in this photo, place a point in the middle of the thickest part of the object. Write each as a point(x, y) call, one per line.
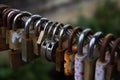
point(112, 66)
point(60, 50)
point(27, 42)
point(80, 55)
point(90, 60)
point(102, 62)
point(69, 54)
point(15, 52)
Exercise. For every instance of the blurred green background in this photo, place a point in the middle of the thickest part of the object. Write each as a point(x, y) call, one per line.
point(99, 15)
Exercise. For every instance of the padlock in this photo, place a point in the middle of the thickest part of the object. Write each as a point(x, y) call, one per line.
point(69, 54)
point(92, 55)
point(60, 50)
point(112, 65)
point(5, 16)
point(42, 22)
point(27, 42)
point(15, 48)
point(46, 40)
point(52, 44)
point(15, 34)
point(36, 32)
point(102, 62)
point(3, 45)
point(80, 55)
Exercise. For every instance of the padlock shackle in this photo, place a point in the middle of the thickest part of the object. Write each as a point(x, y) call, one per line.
point(51, 27)
point(115, 48)
point(96, 37)
point(31, 19)
point(82, 38)
point(72, 36)
point(4, 16)
point(62, 32)
point(10, 18)
point(57, 27)
point(20, 15)
point(105, 43)
point(38, 24)
point(2, 8)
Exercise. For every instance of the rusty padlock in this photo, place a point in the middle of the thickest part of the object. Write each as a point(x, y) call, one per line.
point(6, 31)
point(92, 55)
point(3, 45)
point(15, 53)
point(102, 62)
point(112, 65)
point(69, 54)
point(27, 42)
point(80, 55)
point(60, 50)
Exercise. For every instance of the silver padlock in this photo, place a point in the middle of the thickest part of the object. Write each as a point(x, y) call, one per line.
point(93, 53)
point(45, 42)
point(27, 42)
point(53, 44)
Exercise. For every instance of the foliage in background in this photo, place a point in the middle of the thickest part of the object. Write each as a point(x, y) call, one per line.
point(106, 19)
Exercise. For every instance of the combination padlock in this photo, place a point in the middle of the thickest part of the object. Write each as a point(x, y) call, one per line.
point(46, 40)
point(15, 53)
point(53, 44)
point(27, 42)
point(69, 54)
point(81, 55)
point(112, 65)
point(92, 55)
point(102, 62)
point(60, 50)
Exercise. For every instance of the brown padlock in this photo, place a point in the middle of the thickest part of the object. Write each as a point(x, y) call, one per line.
point(102, 61)
point(3, 46)
point(15, 48)
point(60, 50)
point(27, 42)
point(69, 54)
point(112, 65)
point(90, 60)
point(5, 15)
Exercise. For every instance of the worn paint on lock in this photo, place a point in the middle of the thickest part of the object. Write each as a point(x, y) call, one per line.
point(79, 66)
point(39, 41)
point(15, 39)
point(100, 70)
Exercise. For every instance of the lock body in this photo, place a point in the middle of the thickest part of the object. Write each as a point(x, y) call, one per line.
point(15, 38)
point(16, 58)
point(27, 50)
point(89, 69)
